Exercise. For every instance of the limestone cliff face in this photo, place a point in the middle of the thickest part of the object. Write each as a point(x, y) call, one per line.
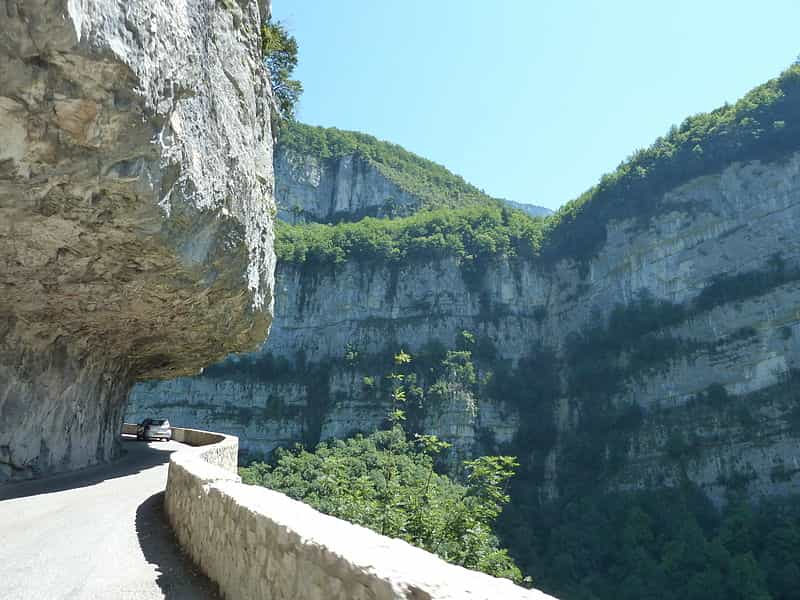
point(709, 394)
point(135, 210)
point(310, 189)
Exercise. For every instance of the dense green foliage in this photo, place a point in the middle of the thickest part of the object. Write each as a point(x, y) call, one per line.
point(763, 125)
point(600, 361)
point(469, 233)
point(434, 185)
point(387, 480)
point(388, 483)
point(662, 545)
point(279, 50)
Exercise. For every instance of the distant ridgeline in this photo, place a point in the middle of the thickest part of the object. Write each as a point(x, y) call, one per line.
point(764, 125)
point(431, 183)
point(638, 350)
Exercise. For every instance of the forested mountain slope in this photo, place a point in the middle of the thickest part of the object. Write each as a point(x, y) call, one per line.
point(329, 175)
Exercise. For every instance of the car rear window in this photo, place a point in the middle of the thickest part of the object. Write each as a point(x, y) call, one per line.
point(157, 422)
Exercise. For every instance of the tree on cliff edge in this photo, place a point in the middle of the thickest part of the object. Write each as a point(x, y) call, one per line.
point(279, 49)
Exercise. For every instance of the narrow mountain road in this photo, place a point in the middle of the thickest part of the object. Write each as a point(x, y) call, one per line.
point(99, 533)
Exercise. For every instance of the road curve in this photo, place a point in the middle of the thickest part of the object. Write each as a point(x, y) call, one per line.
point(99, 533)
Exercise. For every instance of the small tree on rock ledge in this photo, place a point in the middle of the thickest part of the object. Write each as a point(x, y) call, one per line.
point(279, 50)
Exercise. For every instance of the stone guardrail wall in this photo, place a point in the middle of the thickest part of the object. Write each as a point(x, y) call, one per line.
point(129, 428)
point(256, 543)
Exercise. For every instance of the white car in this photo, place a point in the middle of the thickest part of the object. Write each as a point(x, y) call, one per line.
point(154, 429)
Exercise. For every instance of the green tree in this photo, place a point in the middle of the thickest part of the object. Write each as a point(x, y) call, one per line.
point(747, 579)
point(388, 483)
point(279, 50)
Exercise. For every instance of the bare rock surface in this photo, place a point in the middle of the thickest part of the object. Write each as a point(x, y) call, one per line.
point(311, 189)
point(136, 210)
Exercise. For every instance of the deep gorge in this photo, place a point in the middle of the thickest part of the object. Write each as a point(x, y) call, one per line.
point(656, 352)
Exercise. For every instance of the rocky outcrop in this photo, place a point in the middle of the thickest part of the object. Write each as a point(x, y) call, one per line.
point(135, 210)
point(310, 189)
point(708, 393)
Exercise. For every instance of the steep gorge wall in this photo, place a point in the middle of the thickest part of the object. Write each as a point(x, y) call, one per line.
point(310, 189)
point(328, 189)
point(136, 210)
point(708, 394)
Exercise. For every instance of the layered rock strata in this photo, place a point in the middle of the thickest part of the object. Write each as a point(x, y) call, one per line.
point(714, 399)
point(310, 189)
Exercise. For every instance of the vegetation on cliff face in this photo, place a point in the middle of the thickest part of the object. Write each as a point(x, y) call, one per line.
point(763, 125)
point(665, 543)
point(387, 480)
point(434, 185)
point(279, 50)
point(467, 233)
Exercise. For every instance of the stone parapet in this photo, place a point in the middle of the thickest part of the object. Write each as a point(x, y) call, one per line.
point(257, 543)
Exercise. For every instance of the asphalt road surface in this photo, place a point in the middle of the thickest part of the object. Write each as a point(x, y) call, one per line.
point(97, 534)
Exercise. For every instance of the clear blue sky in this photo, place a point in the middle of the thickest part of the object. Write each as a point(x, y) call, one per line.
point(531, 100)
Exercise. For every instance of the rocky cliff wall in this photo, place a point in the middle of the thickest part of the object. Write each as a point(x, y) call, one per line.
point(311, 189)
point(135, 210)
point(706, 388)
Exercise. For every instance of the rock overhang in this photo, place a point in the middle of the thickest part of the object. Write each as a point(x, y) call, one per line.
point(136, 209)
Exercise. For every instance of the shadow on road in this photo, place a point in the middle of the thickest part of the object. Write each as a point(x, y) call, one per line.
point(178, 577)
point(136, 457)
